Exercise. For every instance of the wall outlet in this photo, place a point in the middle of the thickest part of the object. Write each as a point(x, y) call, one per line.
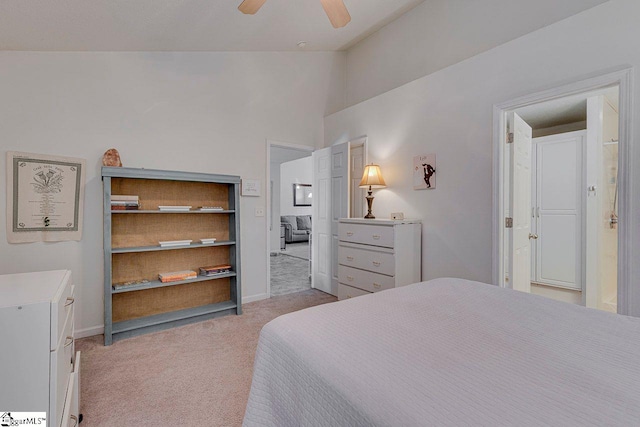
point(397, 215)
point(260, 211)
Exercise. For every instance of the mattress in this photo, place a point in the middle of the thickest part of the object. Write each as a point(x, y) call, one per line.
point(447, 352)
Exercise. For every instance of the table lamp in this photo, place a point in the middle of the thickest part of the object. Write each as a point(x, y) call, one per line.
point(372, 178)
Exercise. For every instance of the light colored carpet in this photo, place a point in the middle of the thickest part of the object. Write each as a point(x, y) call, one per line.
point(298, 250)
point(195, 375)
point(288, 274)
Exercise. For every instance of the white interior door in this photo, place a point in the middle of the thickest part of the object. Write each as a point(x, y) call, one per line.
point(339, 203)
point(558, 209)
point(331, 185)
point(534, 211)
point(520, 203)
point(321, 228)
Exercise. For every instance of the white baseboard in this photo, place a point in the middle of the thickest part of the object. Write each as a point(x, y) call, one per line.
point(253, 298)
point(89, 332)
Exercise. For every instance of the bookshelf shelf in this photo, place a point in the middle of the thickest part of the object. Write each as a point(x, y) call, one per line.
point(132, 252)
point(151, 211)
point(169, 248)
point(158, 284)
point(134, 327)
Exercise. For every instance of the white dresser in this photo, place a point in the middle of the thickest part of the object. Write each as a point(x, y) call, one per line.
point(377, 254)
point(39, 370)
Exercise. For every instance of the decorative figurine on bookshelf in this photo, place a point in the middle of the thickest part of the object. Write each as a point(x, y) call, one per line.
point(111, 157)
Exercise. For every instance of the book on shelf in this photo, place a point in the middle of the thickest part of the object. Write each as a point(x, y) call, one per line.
point(174, 208)
point(176, 276)
point(169, 243)
point(208, 240)
point(123, 203)
point(124, 198)
point(215, 270)
point(210, 208)
point(121, 285)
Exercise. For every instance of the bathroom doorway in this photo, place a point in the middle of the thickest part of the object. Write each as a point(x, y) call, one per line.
point(573, 216)
point(560, 191)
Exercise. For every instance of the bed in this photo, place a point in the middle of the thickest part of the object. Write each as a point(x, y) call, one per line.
point(447, 352)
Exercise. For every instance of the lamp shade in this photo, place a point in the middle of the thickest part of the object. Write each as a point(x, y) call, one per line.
point(372, 177)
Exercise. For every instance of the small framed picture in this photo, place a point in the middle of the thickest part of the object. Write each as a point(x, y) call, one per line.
point(302, 194)
point(250, 187)
point(424, 172)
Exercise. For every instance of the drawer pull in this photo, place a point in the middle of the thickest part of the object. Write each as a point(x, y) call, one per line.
point(376, 237)
point(350, 278)
point(349, 258)
point(68, 341)
point(74, 418)
point(377, 285)
point(349, 233)
point(376, 263)
point(70, 300)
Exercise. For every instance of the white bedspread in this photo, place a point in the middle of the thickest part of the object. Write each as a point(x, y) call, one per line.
point(447, 352)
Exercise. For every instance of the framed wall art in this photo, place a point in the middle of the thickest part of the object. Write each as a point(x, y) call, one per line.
point(424, 172)
point(302, 194)
point(45, 197)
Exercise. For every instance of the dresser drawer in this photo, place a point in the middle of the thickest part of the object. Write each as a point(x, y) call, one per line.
point(68, 417)
point(364, 259)
point(377, 235)
point(365, 280)
point(61, 306)
point(61, 367)
point(346, 292)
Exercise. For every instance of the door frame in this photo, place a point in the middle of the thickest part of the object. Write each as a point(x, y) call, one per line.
point(623, 78)
point(269, 144)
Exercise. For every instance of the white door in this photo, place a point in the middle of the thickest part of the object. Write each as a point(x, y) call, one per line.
point(331, 185)
point(520, 203)
point(558, 205)
point(339, 203)
point(321, 227)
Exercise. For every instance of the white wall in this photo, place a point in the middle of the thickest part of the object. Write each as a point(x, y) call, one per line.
point(439, 33)
point(294, 172)
point(202, 112)
point(450, 113)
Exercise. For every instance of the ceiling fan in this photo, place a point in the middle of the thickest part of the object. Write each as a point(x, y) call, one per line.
point(335, 9)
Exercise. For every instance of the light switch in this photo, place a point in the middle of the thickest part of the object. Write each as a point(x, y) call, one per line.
point(259, 211)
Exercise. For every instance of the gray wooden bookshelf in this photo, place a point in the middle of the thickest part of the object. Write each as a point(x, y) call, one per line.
point(135, 300)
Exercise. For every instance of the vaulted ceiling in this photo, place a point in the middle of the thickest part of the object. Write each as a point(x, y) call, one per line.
point(186, 25)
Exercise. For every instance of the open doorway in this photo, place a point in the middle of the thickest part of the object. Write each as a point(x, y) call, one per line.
point(561, 204)
point(573, 222)
point(290, 218)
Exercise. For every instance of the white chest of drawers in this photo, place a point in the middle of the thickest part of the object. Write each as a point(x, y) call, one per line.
point(38, 366)
point(377, 254)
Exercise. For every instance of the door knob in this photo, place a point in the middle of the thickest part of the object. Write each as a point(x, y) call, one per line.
point(533, 236)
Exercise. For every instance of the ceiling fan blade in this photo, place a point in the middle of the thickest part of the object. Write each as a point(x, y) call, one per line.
point(250, 7)
point(337, 12)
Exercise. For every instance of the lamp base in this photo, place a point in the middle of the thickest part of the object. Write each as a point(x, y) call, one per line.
point(369, 198)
